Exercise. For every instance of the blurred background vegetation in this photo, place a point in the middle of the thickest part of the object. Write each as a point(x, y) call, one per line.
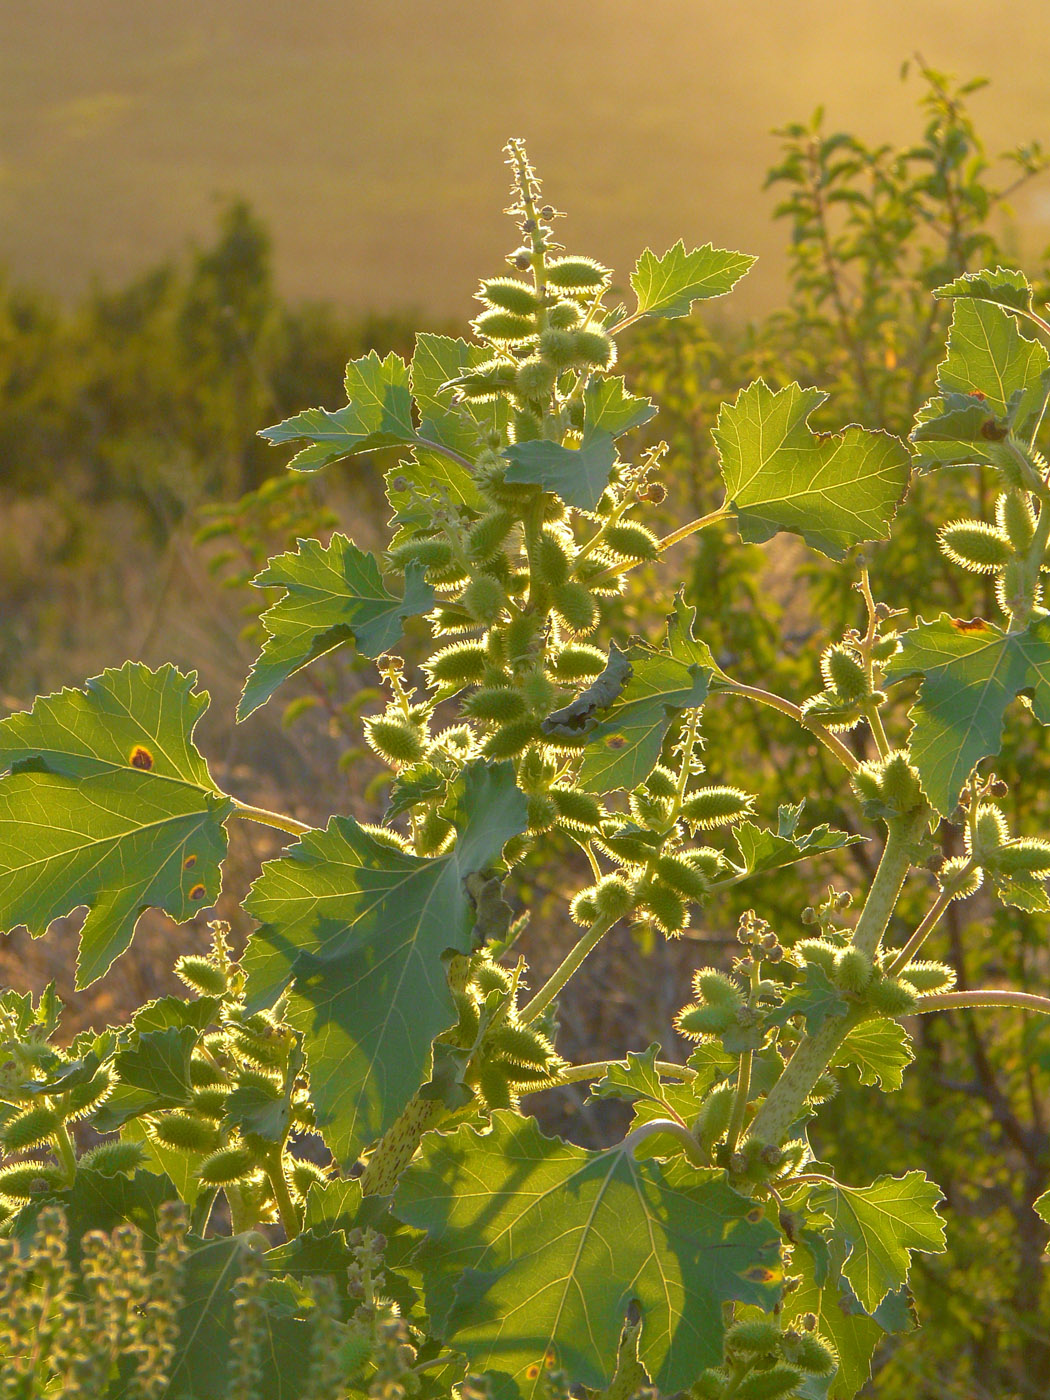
point(137, 503)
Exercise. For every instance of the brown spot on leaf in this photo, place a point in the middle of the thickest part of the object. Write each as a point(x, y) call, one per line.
point(759, 1274)
point(140, 757)
point(189, 862)
point(754, 1216)
point(197, 892)
point(616, 741)
point(532, 1372)
point(975, 624)
point(978, 394)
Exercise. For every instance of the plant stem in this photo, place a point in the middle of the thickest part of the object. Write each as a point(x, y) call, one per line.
point(397, 1146)
point(918, 938)
point(241, 1218)
point(743, 1089)
point(944, 1001)
point(286, 1207)
point(66, 1152)
point(538, 1004)
point(787, 1099)
point(667, 1126)
point(675, 537)
point(787, 707)
point(249, 813)
point(575, 1074)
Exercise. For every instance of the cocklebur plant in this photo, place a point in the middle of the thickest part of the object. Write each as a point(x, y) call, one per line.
point(381, 1004)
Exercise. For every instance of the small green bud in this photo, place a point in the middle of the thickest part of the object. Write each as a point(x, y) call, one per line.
point(504, 327)
point(459, 664)
point(811, 1353)
point(844, 673)
point(885, 646)
point(583, 909)
point(613, 897)
point(853, 970)
point(576, 607)
point(716, 806)
point(631, 541)
point(535, 380)
point(816, 950)
point(989, 832)
point(509, 294)
point(975, 546)
point(576, 274)
point(394, 738)
point(594, 349)
point(901, 787)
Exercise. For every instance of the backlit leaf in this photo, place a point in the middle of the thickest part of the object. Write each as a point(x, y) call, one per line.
point(879, 1050)
point(578, 475)
point(668, 286)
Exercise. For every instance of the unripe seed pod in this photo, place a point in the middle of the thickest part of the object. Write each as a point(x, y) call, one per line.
point(434, 553)
point(754, 1338)
point(186, 1132)
point(681, 876)
point(832, 711)
point(816, 950)
point(716, 988)
point(486, 383)
point(715, 806)
point(900, 784)
point(583, 909)
point(576, 274)
point(927, 977)
point(496, 648)
point(491, 977)
point(975, 546)
point(504, 327)
point(696, 1021)
point(769, 1385)
point(551, 561)
point(511, 740)
point(577, 662)
point(577, 809)
point(484, 598)
point(853, 970)
point(83, 1098)
point(710, 1385)
point(494, 1083)
point(575, 605)
point(564, 316)
point(535, 380)
point(201, 974)
point(212, 1101)
point(114, 1158)
point(528, 427)
point(542, 812)
point(989, 833)
point(226, 1166)
point(1016, 519)
point(715, 1112)
point(433, 833)
point(538, 692)
point(866, 782)
point(525, 1077)
point(487, 535)
point(1027, 854)
point(522, 633)
point(521, 1044)
point(891, 997)
point(812, 1354)
point(462, 664)
point(306, 1174)
point(844, 673)
point(26, 1180)
point(631, 541)
point(628, 845)
point(705, 860)
point(203, 1073)
point(661, 782)
point(394, 738)
point(448, 619)
point(31, 1128)
point(594, 348)
point(469, 1019)
point(613, 897)
point(558, 348)
point(496, 704)
point(882, 648)
point(508, 294)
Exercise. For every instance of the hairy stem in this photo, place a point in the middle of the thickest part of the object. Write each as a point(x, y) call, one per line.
point(66, 1153)
point(286, 1207)
point(575, 1074)
point(787, 707)
point(787, 1099)
point(675, 537)
point(670, 1128)
point(538, 1004)
point(919, 937)
point(397, 1146)
point(740, 1097)
point(249, 813)
point(944, 1001)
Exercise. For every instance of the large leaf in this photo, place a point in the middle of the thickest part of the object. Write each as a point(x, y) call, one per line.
point(358, 929)
point(538, 1248)
point(971, 672)
point(578, 475)
point(335, 594)
point(379, 414)
point(987, 356)
point(879, 1225)
point(668, 286)
point(623, 750)
point(1005, 287)
point(834, 489)
point(107, 803)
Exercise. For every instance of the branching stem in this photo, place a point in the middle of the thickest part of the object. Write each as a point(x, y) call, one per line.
point(275, 819)
point(553, 985)
point(919, 937)
point(793, 711)
point(945, 1001)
